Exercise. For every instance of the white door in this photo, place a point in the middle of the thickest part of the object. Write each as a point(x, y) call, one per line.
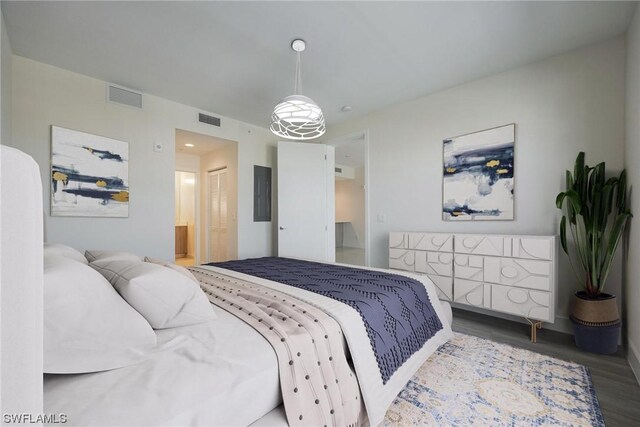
point(306, 204)
point(217, 216)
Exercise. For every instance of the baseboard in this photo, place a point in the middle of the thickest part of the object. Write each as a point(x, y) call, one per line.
point(633, 356)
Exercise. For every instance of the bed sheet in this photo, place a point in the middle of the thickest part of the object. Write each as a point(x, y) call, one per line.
point(194, 377)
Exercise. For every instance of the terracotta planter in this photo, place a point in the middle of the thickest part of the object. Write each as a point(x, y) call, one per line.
point(596, 323)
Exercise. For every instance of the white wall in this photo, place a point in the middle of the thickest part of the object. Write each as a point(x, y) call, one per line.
point(187, 162)
point(44, 95)
point(561, 106)
point(350, 208)
point(5, 86)
point(632, 160)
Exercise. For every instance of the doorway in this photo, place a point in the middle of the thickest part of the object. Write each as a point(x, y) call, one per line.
point(215, 235)
point(351, 198)
point(217, 209)
point(185, 217)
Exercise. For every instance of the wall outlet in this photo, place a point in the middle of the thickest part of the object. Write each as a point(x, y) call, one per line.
point(158, 147)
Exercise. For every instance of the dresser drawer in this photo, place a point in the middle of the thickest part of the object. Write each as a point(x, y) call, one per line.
point(479, 244)
point(398, 240)
point(402, 259)
point(523, 273)
point(437, 242)
point(444, 286)
point(471, 293)
point(522, 302)
point(470, 267)
point(439, 263)
point(527, 247)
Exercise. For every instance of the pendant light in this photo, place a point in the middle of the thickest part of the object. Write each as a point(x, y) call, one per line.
point(297, 116)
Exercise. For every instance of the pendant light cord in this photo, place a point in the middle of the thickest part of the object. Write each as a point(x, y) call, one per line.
point(298, 81)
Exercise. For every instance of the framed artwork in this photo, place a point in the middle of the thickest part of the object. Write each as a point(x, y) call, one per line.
point(89, 175)
point(478, 173)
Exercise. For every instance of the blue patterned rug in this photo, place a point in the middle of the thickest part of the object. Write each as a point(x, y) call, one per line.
point(472, 381)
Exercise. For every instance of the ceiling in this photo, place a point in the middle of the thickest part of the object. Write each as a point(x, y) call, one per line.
point(202, 144)
point(234, 59)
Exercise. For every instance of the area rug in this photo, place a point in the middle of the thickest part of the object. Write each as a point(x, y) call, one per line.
point(472, 381)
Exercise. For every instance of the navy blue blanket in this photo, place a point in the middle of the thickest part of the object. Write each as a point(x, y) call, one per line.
point(396, 310)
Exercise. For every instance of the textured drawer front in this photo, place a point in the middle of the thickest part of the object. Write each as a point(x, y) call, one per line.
point(540, 248)
point(437, 242)
point(522, 302)
point(480, 244)
point(522, 273)
point(532, 247)
point(398, 240)
point(444, 286)
point(470, 293)
point(402, 259)
point(469, 267)
point(437, 263)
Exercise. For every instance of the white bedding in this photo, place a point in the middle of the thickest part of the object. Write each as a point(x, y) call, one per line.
point(377, 396)
point(194, 378)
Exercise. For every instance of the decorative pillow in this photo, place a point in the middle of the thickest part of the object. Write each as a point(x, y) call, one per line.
point(88, 327)
point(94, 255)
point(164, 297)
point(56, 249)
point(180, 269)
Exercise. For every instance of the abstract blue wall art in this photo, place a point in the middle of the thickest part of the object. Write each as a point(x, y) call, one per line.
point(89, 175)
point(478, 175)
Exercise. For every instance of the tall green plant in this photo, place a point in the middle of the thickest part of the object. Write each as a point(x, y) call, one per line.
point(596, 214)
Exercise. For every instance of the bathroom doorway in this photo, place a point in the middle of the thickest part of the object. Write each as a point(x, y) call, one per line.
point(200, 156)
point(185, 217)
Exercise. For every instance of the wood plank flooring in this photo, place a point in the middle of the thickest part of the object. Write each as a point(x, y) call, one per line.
point(616, 386)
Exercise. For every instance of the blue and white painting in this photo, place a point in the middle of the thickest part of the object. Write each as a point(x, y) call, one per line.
point(89, 175)
point(478, 175)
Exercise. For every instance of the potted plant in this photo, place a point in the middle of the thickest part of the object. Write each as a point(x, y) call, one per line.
point(595, 214)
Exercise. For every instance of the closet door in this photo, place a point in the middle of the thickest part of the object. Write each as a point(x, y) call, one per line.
point(217, 249)
point(306, 201)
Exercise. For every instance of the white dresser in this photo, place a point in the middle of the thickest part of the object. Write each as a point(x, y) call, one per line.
point(503, 273)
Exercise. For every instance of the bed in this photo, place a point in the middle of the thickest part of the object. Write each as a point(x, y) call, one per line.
point(205, 374)
point(129, 363)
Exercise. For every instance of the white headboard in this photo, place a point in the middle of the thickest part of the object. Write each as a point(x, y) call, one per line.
point(21, 272)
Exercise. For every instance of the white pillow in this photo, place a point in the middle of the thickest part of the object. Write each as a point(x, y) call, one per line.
point(56, 249)
point(180, 269)
point(164, 297)
point(88, 327)
point(94, 255)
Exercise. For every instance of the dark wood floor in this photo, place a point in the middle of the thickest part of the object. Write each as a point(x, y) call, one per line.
point(616, 386)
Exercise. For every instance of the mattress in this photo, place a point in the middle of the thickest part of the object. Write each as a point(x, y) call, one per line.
point(193, 378)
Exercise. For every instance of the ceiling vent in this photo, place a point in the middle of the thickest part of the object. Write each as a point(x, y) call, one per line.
point(210, 120)
point(124, 96)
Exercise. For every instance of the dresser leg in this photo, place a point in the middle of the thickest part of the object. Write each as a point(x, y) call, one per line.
point(535, 325)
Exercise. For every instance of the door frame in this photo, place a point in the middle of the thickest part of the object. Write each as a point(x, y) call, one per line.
point(208, 212)
point(343, 139)
point(197, 207)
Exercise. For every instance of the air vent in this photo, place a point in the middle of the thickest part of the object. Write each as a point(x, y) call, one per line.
point(210, 120)
point(338, 170)
point(121, 95)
